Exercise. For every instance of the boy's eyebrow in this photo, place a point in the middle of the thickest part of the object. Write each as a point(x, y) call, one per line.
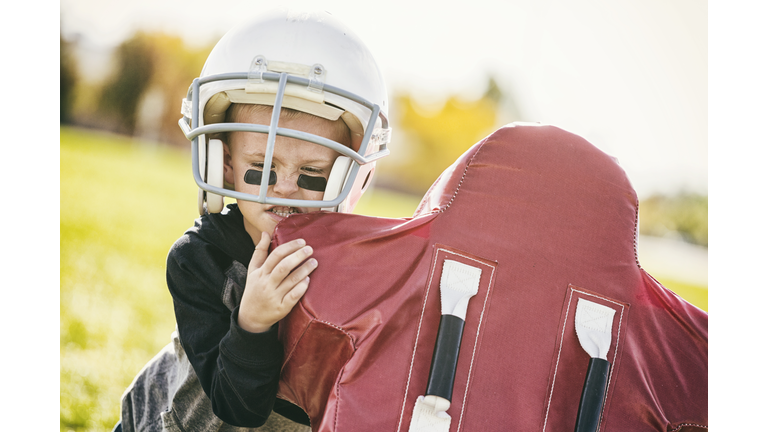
point(254, 153)
point(261, 154)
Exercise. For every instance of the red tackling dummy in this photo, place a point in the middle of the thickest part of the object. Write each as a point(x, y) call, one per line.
point(549, 219)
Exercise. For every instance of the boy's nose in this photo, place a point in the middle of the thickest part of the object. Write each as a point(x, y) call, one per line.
point(286, 184)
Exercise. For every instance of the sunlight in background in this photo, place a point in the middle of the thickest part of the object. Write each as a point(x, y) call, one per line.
point(628, 76)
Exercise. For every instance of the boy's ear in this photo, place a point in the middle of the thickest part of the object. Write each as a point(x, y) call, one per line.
point(229, 171)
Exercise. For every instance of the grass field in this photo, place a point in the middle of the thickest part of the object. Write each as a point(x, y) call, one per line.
point(123, 204)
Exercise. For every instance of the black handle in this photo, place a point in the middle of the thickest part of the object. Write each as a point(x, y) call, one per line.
point(445, 357)
point(591, 404)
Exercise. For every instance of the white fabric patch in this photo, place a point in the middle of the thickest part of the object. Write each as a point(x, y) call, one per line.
point(593, 327)
point(426, 420)
point(458, 283)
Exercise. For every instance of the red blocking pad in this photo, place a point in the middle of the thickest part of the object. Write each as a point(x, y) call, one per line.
point(549, 219)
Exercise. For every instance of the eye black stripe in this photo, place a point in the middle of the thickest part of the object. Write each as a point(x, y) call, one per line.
point(312, 183)
point(253, 177)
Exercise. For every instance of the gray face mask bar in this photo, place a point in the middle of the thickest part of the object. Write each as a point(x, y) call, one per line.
point(193, 131)
point(313, 183)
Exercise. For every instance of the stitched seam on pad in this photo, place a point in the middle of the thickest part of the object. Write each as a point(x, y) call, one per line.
point(636, 233)
point(615, 352)
point(689, 424)
point(338, 399)
point(418, 331)
point(416, 342)
point(288, 357)
point(557, 363)
point(477, 334)
point(341, 374)
point(354, 344)
point(463, 175)
point(456, 192)
point(562, 340)
point(338, 381)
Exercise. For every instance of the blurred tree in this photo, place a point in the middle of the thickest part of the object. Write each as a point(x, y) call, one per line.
point(67, 80)
point(493, 92)
point(683, 215)
point(434, 139)
point(122, 92)
point(176, 65)
point(143, 95)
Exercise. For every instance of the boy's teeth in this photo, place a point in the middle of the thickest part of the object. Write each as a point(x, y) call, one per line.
point(283, 212)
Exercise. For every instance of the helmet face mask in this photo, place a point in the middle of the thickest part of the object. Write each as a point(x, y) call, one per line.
point(308, 62)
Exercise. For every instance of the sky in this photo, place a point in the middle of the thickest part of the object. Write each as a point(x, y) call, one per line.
point(629, 76)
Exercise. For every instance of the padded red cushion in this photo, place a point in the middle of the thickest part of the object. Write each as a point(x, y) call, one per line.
point(549, 219)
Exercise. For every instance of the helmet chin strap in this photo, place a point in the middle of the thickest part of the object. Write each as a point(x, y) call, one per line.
point(337, 179)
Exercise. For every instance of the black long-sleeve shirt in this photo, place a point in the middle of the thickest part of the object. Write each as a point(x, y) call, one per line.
point(238, 370)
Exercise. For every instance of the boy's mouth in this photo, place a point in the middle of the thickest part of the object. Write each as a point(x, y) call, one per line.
point(284, 211)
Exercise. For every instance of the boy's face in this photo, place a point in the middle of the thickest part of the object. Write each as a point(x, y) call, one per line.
point(292, 157)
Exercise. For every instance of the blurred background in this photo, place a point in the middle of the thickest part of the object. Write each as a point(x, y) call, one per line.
point(630, 77)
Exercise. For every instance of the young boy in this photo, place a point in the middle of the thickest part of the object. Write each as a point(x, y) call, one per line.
point(222, 369)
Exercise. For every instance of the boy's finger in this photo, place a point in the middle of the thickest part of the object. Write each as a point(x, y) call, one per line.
point(297, 276)
point(260, 252)
point(293, 296)
point(280, 253)
point(288, 265)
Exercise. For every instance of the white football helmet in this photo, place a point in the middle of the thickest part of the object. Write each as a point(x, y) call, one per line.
point(306, 61)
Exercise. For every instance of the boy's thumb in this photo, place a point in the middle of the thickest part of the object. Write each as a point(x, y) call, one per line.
point(260, 253)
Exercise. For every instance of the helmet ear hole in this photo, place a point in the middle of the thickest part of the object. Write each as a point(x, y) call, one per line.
point(336, 181)
point(215, 174)
point(365, 183)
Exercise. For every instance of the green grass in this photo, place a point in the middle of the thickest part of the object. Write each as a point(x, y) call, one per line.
point(383, 203)
point(123, 204)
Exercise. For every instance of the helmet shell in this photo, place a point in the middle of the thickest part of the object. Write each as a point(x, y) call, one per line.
point(296, 42)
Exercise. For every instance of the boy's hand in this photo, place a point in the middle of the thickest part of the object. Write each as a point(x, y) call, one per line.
point(274, 283)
